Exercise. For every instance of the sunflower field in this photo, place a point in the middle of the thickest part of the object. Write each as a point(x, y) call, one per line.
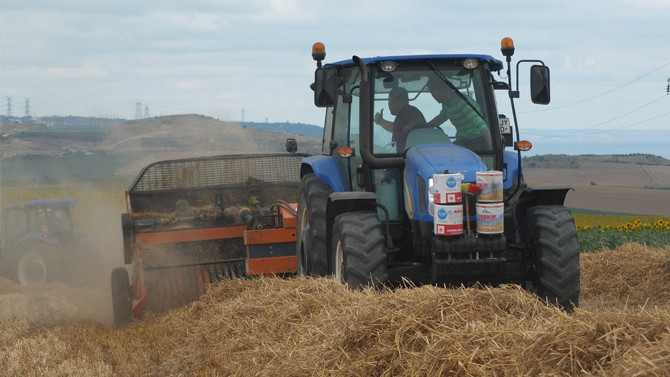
point(597, 231)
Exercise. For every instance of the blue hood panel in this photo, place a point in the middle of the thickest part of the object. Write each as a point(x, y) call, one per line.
point(422, 161)
point(428, 159)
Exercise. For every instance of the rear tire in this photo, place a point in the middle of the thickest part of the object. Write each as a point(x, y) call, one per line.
point(121, 302)
point(359, 251)
point(311, 228)
point(33, 268)
point(127, 232)
point(554, 239)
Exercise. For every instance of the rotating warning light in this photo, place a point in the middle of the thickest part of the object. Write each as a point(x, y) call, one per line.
point(507, 46)
point(318, 51)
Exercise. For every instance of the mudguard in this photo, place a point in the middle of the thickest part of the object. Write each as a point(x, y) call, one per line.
point(511, 160)
point(39, 237)
point(326, 169)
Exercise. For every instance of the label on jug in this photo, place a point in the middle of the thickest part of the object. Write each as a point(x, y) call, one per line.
point(491, 185)
point(448, 220)
point(447, 188)
point(490, 218)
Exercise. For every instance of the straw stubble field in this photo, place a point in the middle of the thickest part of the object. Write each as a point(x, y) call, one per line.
point(310, 327)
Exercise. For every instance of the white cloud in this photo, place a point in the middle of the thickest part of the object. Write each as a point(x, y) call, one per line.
point(215, 58)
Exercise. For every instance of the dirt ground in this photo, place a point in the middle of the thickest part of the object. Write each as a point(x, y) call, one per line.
point(618, 188)
point(307, 327)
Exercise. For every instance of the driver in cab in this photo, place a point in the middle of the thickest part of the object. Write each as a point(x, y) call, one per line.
point(407, 117)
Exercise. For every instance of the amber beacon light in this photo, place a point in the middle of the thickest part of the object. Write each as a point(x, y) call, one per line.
point(318, 51)
point(507, 46)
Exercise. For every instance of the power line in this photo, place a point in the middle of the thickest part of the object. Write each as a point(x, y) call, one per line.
point(580, 131)
point(629, 125)
point(600, 94)
point(613, 129)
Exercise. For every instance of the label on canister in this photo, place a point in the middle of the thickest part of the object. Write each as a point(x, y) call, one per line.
point(448, 220)
point(491, 185)
point(490, 218)
point(447, 188)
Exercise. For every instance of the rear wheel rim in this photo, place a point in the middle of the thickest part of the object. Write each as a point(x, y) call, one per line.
point(32, 269)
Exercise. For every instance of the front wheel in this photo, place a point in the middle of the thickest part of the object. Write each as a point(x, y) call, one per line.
point(359, 251)
point(554, 239)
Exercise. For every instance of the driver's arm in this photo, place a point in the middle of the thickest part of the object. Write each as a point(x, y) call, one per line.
point(387, 125)
point(439, 118)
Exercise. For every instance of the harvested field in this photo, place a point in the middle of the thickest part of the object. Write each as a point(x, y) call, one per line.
point(308, 327)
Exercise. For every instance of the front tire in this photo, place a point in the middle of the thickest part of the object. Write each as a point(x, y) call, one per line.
point(554, 239)
point(311, 226)
point(359, 251)
point(121, 302)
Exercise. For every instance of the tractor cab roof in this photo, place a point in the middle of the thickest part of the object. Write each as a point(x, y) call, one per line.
point(494, 64)
point(44, 203)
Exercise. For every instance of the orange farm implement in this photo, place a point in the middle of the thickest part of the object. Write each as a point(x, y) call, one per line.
point(194, 222)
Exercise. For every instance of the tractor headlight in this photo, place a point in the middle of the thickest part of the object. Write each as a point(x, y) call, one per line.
point(431, 200)
point(470, 63)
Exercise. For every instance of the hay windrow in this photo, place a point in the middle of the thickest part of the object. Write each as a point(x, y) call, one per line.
point(307, 327)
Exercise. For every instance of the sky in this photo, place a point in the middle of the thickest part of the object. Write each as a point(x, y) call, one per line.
point(251, 59)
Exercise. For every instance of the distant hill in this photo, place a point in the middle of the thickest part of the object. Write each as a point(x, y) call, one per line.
point(33, 152)
point(575, 161)
point(634, 183)
point(301, 129)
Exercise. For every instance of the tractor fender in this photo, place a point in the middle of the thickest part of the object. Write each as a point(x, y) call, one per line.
point(39, 237)
point(341, 202)
point(531, 197)
point(326, 169)
point(511, 169)
point(547, 195)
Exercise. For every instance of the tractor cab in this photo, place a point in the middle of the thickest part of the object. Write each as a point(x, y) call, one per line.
point(41, 219)
point(379, 108)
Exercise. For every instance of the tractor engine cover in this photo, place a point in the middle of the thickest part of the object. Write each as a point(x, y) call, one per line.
point(422, 161)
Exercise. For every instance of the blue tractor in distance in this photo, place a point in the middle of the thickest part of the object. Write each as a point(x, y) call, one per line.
point(372, 209)
point(39, 244)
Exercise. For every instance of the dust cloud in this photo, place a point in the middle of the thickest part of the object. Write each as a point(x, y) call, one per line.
point(82, 294)
point(82, 290)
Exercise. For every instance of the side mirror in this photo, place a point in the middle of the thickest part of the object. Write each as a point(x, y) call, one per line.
point(539, 84)
point(291, 145)
point(325, 87)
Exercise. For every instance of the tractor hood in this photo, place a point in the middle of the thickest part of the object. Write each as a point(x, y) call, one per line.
point(422, 161)
point(427, 159)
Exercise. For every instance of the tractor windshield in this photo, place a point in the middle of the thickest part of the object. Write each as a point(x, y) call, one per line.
point(430, 102)
point(55, 220)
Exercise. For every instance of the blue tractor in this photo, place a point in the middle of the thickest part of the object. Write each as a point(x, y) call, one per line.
point(40, 244)
point(401, 191)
